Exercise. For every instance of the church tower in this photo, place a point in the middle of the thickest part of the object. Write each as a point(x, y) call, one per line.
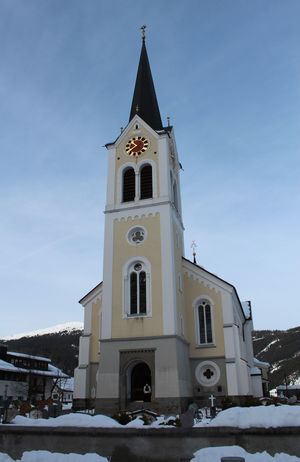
point(141, 328)
point(159, 329)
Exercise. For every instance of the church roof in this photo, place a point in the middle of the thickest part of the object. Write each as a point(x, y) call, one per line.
point(222, 280)
point(144, 101)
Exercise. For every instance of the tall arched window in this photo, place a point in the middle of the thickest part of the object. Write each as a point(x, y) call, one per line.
point(138, 290)
point(204, 313)
point(146, 188)
point(128, 185)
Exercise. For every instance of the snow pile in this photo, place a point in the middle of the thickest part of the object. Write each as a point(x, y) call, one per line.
point(240, 417)
point(45, 456)
point(260, 416)
point(69, 420)
point(215, 454)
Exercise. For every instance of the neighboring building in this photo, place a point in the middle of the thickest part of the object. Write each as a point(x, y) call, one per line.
point(159, 328)
point(63, 390)
point(289, 391)
point(26, 377)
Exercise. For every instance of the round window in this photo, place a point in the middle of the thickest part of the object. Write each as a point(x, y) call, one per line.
point(136, 235)
point(207, 373)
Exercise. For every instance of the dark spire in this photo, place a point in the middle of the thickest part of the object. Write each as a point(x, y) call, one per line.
point(144, 102)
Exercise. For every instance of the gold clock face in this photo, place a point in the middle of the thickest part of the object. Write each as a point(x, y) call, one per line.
point(136, 146)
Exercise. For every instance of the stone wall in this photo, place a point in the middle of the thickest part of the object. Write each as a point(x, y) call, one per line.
point(145, 445)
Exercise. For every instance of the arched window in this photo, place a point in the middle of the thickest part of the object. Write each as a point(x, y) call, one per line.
point(205, 331)
point(128, 185)
point(146, 188)
point(138, 290)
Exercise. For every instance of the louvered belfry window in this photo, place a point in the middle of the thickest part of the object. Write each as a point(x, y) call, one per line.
point(146, 182)
point(128, 185)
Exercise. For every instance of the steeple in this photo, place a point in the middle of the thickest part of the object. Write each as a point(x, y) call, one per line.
point(144, 102)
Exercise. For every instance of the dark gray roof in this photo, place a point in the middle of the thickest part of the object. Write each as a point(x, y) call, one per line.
point(144, 101)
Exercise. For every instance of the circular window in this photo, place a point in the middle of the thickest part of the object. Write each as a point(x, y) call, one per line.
point(207, 373)
point(138, 267)
point(136, 235)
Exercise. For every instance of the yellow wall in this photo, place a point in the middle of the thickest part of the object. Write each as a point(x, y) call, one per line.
point(123, 251)
point(192, 290)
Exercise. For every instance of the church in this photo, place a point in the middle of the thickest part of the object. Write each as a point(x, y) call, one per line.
point(160, 331)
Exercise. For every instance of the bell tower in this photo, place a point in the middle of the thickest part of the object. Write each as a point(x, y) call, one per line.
point(142, 306)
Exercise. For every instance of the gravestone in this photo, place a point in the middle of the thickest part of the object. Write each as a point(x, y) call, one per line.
point(36, 413)
point(187, 418)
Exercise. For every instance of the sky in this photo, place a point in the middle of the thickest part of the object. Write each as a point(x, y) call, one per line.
point(226, 73)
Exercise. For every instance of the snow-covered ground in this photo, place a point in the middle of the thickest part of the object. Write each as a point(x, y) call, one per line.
point(241, 417)
point(45, 456)
point(215, 454)
point(203, 455)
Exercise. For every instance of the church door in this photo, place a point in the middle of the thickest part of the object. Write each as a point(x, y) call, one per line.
point(141, 383)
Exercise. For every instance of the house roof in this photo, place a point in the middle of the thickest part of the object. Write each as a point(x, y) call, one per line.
point(23, 355)
point(90, 292)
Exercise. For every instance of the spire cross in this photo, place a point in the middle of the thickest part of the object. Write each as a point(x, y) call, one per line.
point(143, 29)
point(193, 246)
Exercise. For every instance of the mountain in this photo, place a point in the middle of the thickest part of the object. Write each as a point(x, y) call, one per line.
point(280, 348)
point(59, 343)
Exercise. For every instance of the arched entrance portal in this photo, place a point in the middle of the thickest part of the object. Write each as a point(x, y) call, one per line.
point(141, 383)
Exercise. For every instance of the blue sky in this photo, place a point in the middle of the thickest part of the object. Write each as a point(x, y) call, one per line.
point(226, 72)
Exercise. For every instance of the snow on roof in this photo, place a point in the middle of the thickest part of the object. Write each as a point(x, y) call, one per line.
point(259, 363)
point(247, 308)
point(289, 387)
point(51, 372)
point(66, 384)
point(255, 371)
point(23, 355)
point(5, 366)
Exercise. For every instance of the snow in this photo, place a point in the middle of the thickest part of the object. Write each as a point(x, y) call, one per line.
point(68, 326)
point(5, 366)
point(247, 308)
point(259, 363)
point(23, 355)
point(51, 372)
point(66, 384)
point(45, 456)
point(259, 416)
point(269, 346)
point(215, 454)
point(203, 455)
point(69, 420)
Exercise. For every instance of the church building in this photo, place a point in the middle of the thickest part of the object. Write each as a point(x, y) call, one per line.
point(160, 331)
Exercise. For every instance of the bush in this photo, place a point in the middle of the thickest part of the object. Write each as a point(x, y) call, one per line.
point(227, 403)
point(122, 417)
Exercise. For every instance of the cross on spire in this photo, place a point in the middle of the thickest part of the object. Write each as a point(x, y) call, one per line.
point(193, 246)
point(143, 30)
